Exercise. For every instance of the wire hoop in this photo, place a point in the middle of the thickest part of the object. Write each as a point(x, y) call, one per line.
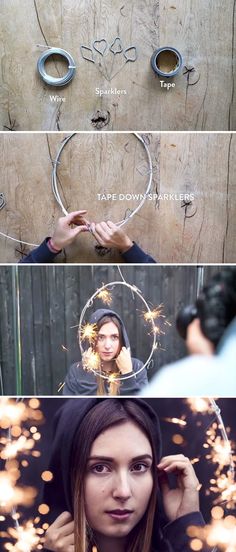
point(55, 177)
point(89, 303)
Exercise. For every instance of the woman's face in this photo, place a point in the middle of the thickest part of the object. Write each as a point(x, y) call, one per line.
point(108, 342)
point(118, 481)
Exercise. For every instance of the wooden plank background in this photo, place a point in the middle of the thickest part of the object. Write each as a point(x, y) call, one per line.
point(51, 300)
point(202, 164)
point(203, 31)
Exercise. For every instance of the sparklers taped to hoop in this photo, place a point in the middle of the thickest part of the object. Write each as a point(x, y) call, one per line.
point(107, 361)
point(213, 450)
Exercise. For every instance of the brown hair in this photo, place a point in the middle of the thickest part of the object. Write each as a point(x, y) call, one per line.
point(101, 417)
point(114, 388)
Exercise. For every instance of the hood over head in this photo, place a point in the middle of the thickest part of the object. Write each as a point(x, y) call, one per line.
point(57, 493)
point(100, 313)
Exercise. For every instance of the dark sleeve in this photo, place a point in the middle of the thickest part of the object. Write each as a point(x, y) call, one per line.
point(176, 532)
point(71, 386)
point(136, 255)
point(133, 386)
point(41, 254)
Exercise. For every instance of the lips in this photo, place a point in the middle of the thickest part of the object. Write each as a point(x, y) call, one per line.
point(120, 515)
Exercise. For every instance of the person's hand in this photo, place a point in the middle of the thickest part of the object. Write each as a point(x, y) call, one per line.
point(184, 499)
point(60, 535)
point(197, 343)
point(124, 362)
point(109, 235)
point(64, 234)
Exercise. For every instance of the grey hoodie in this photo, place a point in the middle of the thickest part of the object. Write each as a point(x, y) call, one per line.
point(80, 382)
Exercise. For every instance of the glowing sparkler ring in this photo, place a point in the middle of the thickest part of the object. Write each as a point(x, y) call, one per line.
point(89, 303)
point(55, 178)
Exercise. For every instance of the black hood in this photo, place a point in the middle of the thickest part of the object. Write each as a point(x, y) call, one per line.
point(100, 313)
point(57, 493)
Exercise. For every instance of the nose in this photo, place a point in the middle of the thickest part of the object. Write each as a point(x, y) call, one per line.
point(108, 343)
point(121, 487)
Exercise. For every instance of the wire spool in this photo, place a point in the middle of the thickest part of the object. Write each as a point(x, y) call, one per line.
point(56, 81)
point(57, 194)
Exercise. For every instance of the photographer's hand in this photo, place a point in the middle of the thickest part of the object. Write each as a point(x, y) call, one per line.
point(109, 235)
point(124, 362)
point(184, 499)
point(64, 234)
point(197, 343)
point(60, 535)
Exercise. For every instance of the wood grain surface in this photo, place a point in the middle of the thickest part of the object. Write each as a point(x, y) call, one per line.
point(171, 230)
point(203, 31)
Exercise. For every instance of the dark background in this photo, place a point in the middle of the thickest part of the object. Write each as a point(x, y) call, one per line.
point(40, 304)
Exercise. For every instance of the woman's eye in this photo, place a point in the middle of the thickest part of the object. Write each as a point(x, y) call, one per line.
point(140, 467)
point(100, 468)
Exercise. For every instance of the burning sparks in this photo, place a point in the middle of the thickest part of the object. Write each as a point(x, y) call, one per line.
point(105, 295)
point(199, 405)
point(19, 445)
point(13, 496)
point(178, 421)
point(220, 533)
point(26, 538)
point(11, 413)
point(88, 332)
point(91, 360)
point(149, 316)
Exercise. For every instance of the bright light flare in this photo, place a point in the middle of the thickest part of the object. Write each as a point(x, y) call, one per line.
point(220, 533)
point(105, 296)
point(11, 496)
point(88, 332)
point(25, 536)
point(91, 360)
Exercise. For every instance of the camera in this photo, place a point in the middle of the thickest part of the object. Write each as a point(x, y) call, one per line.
point(215, 307)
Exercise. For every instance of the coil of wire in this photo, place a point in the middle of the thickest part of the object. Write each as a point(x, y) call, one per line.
point(56, 81)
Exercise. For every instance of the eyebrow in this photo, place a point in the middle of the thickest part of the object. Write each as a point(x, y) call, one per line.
point(110, 459)
point(112, 335)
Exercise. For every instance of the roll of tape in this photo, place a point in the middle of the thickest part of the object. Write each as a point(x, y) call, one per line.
point(54, 81)
point(166, 61)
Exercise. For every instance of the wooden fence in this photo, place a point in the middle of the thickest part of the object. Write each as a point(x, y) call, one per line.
point(39, 306)
point(203, 97)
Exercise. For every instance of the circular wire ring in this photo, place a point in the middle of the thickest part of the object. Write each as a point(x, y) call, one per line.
point(89, 303)
point(56, 81)
point(132, 213)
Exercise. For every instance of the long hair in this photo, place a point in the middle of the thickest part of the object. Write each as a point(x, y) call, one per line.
point(101, 417)
point(114, 388)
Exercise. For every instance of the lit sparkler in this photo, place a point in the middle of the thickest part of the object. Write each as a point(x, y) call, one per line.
point(88, 332)
point(19, 445)
point(154, 314)
point(11, 495)
point(91, 360)
point(220, 533)
point(179, 421)
point(26, 538)
point(105, 295)
point(197, 404)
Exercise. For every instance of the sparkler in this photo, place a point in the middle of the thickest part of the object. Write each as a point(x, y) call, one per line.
point(104, 294)
point(11, 495)
point(220, 533)
point(88, 332)
point(26, 538)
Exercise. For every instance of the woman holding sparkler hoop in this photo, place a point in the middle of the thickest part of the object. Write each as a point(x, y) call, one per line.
point(107, 357)
point(108, 478)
